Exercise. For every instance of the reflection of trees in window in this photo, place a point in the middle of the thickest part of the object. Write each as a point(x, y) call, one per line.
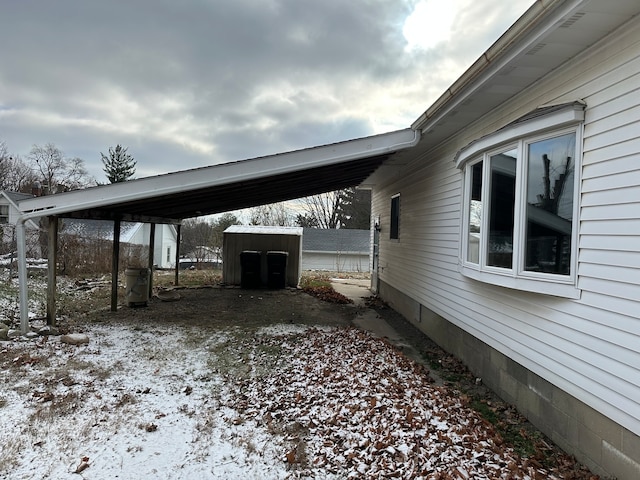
point(475, 214)
point(502, 197)
point(550, 175)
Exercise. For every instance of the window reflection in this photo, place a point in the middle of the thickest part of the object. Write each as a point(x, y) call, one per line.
point(550, 180)
point(475, 214)
point(502, 194)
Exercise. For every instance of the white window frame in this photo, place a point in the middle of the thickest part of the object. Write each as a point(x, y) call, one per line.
point(519, 136)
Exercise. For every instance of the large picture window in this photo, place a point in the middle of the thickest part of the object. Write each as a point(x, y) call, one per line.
point(520, 204)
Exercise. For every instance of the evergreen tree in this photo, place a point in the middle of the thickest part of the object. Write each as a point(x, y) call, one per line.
point(354, 208)
point(119, 166)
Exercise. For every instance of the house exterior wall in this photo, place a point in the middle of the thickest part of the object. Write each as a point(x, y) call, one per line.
point(571, 365)
point(335, 262)
point(233, 244)
point(165, 238)
point(165, 246)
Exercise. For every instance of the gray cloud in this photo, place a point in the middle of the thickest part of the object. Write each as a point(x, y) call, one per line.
point(185, 84)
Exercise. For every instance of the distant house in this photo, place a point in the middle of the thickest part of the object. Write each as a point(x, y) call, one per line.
point(9, 212)
point(165, 243)
point(337, 250)
point(202, 257)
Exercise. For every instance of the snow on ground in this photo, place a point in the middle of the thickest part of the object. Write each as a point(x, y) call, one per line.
point(184, 402)
point(9, 299)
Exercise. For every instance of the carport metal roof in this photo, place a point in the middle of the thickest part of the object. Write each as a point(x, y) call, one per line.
point(229, 186)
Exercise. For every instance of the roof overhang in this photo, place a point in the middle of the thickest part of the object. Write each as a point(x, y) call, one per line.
point(550, 34)
point(172, 197)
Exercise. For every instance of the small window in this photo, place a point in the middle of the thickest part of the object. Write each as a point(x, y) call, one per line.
point(394, 230)
point(168, 254)
point(4, 213)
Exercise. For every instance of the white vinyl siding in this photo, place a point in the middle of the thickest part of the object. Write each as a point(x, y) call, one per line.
point(335, 262)
point(589, 347)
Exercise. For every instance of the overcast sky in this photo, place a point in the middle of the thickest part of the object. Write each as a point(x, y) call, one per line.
point(184, 84)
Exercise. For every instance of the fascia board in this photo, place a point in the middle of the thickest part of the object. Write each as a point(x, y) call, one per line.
point(211, 176)
point(536, 23)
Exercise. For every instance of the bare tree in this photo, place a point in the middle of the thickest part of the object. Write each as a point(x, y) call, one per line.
point(323, 210)
point(58, 172)
point(346, 208)
point(219, 226)
point(196, 237)
point(275, 214)
point(15, 175)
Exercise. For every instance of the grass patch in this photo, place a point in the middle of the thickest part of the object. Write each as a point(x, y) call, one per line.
point(187, 278)
point(314, 281)
point(319, 286)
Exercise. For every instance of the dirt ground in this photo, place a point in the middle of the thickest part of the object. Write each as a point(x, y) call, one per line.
point(231, 306)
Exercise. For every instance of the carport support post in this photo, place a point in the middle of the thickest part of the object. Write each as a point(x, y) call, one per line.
point(178, 231)
point(52, 269)
point(22, 276)
point(152, 247)
point(115, 260)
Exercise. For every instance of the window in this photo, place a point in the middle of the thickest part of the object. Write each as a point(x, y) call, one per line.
point(4, 213)
point(168, 254)
point(395, 217)
point(520, 204)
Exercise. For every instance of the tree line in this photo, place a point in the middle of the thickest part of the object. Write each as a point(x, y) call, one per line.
point(49, 168)
point(53, 172)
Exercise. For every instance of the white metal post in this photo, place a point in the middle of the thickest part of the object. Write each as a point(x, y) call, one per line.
point(22, 276)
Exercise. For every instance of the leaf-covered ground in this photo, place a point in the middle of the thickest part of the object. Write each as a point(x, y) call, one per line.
point(284, 401)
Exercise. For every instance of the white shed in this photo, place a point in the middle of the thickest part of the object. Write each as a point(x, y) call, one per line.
point(262, 239)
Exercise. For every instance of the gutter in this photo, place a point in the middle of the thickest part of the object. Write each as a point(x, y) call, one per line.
point(527, 23)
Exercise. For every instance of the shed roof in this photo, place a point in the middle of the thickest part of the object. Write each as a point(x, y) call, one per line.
point(264, 230)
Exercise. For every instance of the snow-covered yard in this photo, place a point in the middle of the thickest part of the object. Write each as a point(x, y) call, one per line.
point(285, 401)
point(233, 384)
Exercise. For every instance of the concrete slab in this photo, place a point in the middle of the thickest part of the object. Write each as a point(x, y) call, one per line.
point(368, 319)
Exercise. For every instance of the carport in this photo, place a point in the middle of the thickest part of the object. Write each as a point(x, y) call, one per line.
point(172, 197)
